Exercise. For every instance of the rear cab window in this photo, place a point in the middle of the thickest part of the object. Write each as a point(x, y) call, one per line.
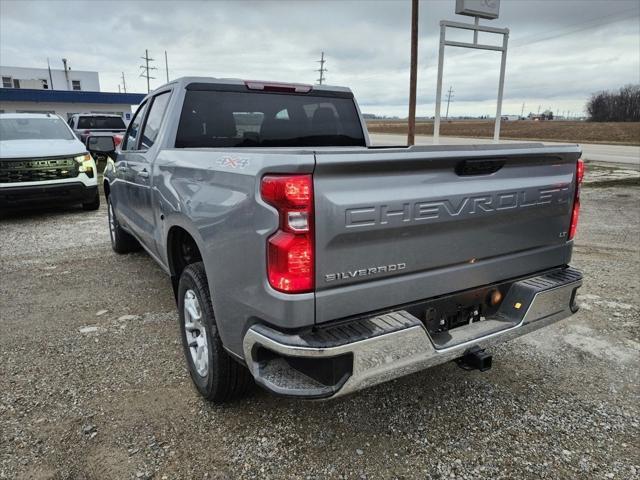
point(96, 122)
point(243, 118)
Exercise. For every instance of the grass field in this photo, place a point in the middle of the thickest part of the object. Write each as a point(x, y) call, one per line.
point(623, 133)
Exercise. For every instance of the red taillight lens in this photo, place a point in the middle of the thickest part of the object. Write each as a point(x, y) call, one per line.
point(292, 191)
point(290, 262)
point(290, 251)
point(580, 171)
point(575, 212)
point(117, 140)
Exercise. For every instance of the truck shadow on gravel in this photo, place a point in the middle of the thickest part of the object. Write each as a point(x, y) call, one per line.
point(41, 212)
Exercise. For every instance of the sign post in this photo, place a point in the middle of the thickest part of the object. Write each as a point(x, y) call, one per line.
point(488, 9)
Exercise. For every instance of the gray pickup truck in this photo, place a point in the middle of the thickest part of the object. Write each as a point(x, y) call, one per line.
point(308, 261)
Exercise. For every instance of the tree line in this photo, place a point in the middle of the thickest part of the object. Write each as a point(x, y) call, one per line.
point(611, 106)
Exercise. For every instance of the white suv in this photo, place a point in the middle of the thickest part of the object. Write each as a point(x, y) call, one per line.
point(41, 160)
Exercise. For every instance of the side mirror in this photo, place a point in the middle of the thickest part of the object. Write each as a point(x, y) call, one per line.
point(100, 144)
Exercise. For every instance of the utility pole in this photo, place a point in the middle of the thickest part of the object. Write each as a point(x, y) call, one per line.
point(146, 73)
point(119, 89)
point(413, 75)
point(322, 61)
point(538, 109)
point(522, 111)
point(124, 84)
point(166, 65)
point(449, 96)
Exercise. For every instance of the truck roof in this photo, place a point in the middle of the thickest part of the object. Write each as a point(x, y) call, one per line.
point(182, 82)
point(96, 115)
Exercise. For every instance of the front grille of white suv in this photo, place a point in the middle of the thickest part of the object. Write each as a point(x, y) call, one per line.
point(37, 169)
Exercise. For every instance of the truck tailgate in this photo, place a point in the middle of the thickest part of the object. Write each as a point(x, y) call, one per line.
point(398, 225)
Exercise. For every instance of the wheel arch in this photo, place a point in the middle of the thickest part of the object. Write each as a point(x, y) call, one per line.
point(182, 249)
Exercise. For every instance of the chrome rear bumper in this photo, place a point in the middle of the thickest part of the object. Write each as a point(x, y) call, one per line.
point(334, 361)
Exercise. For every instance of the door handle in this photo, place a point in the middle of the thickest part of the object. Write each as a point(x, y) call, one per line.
point(143, 173)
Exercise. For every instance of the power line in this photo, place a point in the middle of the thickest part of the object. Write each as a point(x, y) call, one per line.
point(146, 69)
point(449, 97)
point(586, 25)
point(540, 37)
point(322, 61)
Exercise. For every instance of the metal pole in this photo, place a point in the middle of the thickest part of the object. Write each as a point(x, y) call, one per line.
point(146, 58)
point(503, 64)
point(436, 120)
point(66, 73)
point(166, 65)
point(413, 76)
point(475, 32)
point(50, 77)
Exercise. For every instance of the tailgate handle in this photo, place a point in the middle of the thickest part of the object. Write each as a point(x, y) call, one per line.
point(479, 167)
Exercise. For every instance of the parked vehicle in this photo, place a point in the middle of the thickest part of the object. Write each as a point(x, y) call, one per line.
point(316, 264)
point(85, 124)
point(41, 160)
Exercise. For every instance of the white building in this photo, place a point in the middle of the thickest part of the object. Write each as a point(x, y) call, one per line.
point(42, 78)
point(38, 90)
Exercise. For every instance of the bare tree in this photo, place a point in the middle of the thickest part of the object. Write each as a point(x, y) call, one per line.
point(621, 106)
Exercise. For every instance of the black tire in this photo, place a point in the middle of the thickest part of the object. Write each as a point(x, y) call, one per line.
point(225, 379)
point(121, 241)
point(93, 204)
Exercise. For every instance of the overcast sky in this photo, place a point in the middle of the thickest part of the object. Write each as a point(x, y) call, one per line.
point(559, 51)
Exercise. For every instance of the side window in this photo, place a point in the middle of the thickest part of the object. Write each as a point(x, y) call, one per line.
point(131, 137)
point(154, 120)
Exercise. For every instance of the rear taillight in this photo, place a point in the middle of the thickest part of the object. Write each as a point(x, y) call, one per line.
point(575, 213)
point(290, 251)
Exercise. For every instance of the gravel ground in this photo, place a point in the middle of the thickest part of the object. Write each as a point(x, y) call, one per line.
point(93, 383)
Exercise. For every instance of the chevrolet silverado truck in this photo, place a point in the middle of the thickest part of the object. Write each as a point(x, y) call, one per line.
point(314, 264)
point(42, 162)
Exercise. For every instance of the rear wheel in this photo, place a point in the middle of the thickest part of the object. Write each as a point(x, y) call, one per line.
point(216, 375)
point(121, 241)
point(93, 204)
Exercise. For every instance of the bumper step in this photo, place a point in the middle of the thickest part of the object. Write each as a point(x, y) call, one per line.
point(336, 360)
